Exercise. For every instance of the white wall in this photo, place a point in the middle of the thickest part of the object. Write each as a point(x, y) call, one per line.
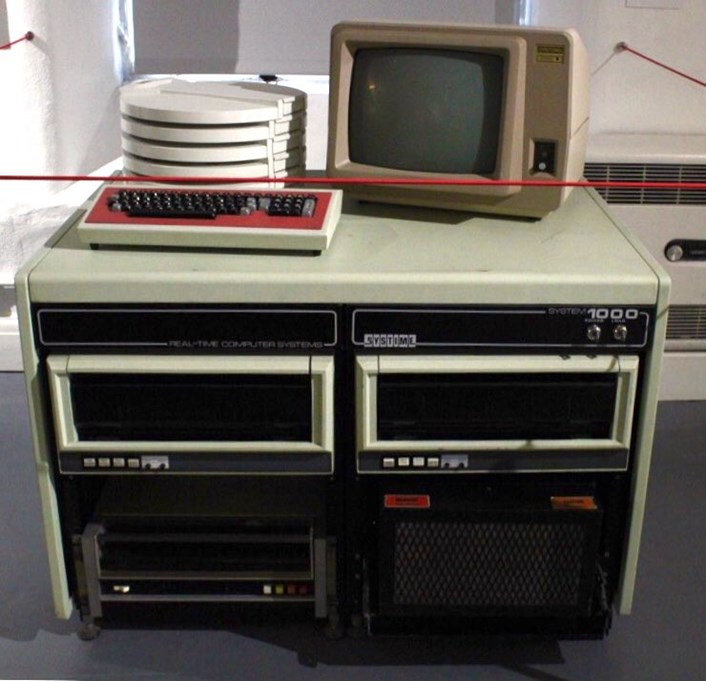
point(60, 89)
point(627, 93)
point(4, 33)
point(59, 113)
point(291, 37)
point(25, 135)
point(85, 74)
point(271, 36)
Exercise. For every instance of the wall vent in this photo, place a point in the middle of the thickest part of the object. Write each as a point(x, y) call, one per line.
point(649, 172)
point(686, 322)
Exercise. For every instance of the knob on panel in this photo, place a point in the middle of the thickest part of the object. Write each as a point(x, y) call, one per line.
point(620, 332)
point(678, 250)
point(674, 253)
point(593, 333)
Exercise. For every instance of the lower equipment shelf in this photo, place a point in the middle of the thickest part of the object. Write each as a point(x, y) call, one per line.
point(223, 550)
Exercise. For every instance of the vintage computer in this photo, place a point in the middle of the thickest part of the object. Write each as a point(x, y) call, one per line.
point(458, 103)
point(443, 418)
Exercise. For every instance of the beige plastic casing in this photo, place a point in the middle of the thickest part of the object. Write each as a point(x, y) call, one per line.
point(543, 100)
point(369, 367)
point(579, 255)
point(320, 369)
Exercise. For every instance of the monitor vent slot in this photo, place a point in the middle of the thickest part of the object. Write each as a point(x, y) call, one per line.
point(686, 322)
point(648, 172)
point(491, 566)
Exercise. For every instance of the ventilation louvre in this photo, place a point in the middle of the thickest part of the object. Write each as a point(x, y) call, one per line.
point(686, 322)
point(491, 563)
point(650, 172)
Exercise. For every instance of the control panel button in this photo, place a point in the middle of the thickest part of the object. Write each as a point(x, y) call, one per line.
point(388, 462)
point(118, 462)
point(89, 462)
point(544, 156)
point(133, 463)
point(620, 332)
point(104, 462)
point(593, 333)
point(151, 462)
point(418, 462)
point(403, 462)
point(674, 253)
point(454, 462)
point(433, 462)
point(686, 249)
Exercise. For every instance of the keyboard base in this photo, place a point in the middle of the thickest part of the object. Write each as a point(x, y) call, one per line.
point(101, 227)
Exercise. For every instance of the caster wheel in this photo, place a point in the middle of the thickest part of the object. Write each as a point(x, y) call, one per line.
point(89, 631)
point(334, 627)
point(334, 631)
point(356, 629)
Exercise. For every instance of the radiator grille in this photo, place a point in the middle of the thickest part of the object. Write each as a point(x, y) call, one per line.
point(489, 565)
point(686, 322)
point(650, 172)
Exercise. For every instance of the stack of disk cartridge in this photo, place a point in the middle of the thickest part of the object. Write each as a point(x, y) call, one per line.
point(174, 127)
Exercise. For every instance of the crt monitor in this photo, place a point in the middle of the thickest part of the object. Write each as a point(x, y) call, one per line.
point(418, 101)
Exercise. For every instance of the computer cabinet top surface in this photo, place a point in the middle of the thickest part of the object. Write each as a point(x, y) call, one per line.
point(380, 254)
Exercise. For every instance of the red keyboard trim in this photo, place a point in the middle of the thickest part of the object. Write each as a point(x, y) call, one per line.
point(101, 214)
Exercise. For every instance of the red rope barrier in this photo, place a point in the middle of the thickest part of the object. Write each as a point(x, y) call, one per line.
point(140, 179)
point(627, 48)
point(27, 36)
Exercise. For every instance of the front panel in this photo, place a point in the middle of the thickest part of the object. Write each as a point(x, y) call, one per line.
point(487, 555)
point(194, 454)
point(509, 328)
point(488, 413)
point(402, 464)
point(204, 540)
point(192, 414)
point(493, 462)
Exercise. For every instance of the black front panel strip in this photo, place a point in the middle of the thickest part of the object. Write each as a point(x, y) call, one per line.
point(187, 329)
point(134, 463)
point(505, 461)
point(503, 327)
point(246, 328)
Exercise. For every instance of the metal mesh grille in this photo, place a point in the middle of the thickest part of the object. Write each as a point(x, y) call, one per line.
point(488, 565)
point(686, 322)
point(648, 172)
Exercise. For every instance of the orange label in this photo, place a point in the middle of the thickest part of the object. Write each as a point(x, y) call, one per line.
point(407, 501)
point(574, 504)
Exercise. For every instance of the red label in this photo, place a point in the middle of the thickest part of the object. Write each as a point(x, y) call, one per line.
point(574, 504)
point(407, 501)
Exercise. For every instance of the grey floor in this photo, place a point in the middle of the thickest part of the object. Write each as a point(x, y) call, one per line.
point(662, 640)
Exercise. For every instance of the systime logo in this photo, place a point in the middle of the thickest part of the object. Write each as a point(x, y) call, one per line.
point(390, 340)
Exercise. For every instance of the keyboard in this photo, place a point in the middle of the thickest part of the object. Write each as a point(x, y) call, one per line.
point(191, 217)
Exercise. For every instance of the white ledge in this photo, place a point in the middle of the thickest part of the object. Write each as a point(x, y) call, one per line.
point(10, 354)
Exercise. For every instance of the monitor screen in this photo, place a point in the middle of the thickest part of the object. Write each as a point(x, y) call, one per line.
point(448, 123)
